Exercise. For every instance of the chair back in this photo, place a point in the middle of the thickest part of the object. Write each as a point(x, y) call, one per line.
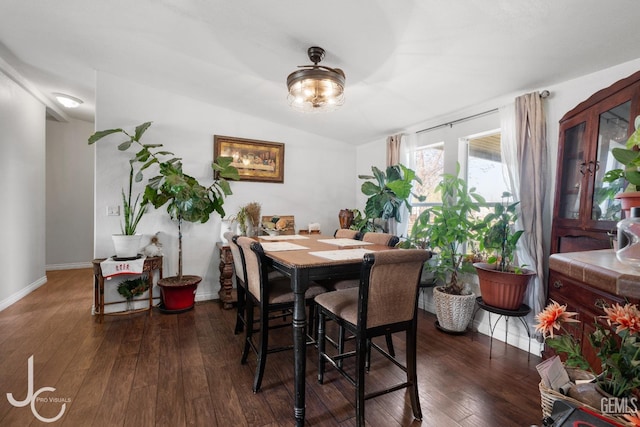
point(385, 239)
point(252, 265)
point(389, 286)
point(345, 233)
point(238, 268)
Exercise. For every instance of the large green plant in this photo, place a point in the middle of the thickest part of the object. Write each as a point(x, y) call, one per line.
point(630, 158)
point(498, 235)
point(185, 198)
point(387, 193)
point(449, 226)
point(133, 210)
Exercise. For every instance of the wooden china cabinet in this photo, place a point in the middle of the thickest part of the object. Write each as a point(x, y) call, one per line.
point(585, 212)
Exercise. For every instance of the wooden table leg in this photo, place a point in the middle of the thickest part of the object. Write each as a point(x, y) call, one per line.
point(299, 285)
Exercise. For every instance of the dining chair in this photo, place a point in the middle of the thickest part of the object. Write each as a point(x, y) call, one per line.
point(386, 301)
point(334, 285)
point(345, 233)
point(270, 295)
point(241, 287)
point(381, 238)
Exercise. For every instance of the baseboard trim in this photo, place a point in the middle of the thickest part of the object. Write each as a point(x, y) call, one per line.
point(12, 299)
point(69, 266)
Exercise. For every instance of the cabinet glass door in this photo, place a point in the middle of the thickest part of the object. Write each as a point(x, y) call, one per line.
point(612, 132)
point(573, 170)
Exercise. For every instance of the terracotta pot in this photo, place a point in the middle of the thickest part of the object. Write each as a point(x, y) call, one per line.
point(502, 289)
point(345, 216)
point(178, 294)
point(628, 200)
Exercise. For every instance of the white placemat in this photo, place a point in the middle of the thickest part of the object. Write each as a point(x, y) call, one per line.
point(284, 237)
point(281, 246)
point(342, 254)
point(345, 242)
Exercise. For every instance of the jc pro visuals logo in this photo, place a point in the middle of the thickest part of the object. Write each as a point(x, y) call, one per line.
point(33, 398)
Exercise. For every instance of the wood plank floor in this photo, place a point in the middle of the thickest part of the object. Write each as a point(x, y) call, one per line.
point(179, 370)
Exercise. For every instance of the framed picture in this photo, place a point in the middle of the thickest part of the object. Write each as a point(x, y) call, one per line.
point(255, 160)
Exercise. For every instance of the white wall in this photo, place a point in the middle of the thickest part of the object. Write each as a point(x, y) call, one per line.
point(22, 172)
point(318, 177)
point(69, 224)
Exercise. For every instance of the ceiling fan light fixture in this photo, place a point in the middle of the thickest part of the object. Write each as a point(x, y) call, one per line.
point(68, 101)
point(316, 88)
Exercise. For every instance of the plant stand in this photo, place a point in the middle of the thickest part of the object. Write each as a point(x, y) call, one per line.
point(520, 314)
point(151, 264)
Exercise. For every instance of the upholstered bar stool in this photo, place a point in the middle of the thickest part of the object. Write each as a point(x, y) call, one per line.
point(270, 295)
point(385, 302)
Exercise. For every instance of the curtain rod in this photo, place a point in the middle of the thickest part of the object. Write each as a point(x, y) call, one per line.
point(543, 94)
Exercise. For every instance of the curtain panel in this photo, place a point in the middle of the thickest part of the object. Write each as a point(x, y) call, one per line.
point(524, 152)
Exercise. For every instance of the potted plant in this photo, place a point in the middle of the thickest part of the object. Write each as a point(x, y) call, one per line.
point(630, 158)
point(502, 284)
point(127, 244)
point(447, 228)
point(185, 200)
point(387, 194)
point(132, 288)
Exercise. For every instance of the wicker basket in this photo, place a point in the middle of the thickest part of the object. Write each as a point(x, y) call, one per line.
point(549, 396)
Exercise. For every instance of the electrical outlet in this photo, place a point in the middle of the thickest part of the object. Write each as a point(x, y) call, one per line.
point(113, 210)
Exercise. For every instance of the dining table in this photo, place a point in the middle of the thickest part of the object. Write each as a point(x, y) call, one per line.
point(305, 258)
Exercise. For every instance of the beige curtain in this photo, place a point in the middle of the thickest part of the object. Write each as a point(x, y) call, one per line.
point(393, 149)
point(525, 154)
point(393, 158)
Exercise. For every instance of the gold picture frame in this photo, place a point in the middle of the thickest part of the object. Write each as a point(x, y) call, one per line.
point(261, 161)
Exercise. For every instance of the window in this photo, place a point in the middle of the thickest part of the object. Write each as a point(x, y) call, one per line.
point(484, 166)
point(428, 164)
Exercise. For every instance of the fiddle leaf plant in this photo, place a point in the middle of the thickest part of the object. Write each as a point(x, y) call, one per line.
point(387, 193)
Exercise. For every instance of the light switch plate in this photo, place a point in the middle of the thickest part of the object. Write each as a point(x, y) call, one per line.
point(113, 210)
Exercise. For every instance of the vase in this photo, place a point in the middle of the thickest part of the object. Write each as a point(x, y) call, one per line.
point(629, 239)
point(129, 304)
point(345, 216)
point(226, 225)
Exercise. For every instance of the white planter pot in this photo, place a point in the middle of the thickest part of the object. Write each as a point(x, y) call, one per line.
point(226, 225)
point(126, 246)
point(453, 311)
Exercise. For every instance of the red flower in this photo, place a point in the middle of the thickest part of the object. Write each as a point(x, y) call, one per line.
point(552, 317)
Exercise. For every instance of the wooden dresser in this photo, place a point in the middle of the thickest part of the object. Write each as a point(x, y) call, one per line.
point(588, 281)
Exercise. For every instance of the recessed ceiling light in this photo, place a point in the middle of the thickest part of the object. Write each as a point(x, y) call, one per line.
point(68, 100)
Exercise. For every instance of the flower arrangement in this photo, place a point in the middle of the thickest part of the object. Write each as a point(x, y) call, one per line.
point(617, 346)
point(132, 288)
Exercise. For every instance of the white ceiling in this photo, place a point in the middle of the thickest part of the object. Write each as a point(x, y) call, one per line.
point(405, 61)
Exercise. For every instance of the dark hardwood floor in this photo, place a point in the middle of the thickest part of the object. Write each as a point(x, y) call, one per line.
point(184, 369)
